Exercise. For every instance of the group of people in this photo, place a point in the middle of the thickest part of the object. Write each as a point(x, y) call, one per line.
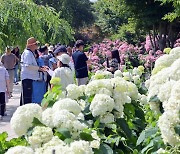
point(40, 64)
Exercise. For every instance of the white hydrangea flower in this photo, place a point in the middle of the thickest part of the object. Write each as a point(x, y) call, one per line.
point(104, 91)
point(101, 74)
point(118, 73)
point(73, 91)
point(175, 70)
point(165, 90)
point(82, 104)
point(175, 92)
point(59, 149)
point(136, 72)
point(63, 119)
point(67, 104)
point(162, 151)
point(81, 147)
point(101, 104)
point(107, 118)
point(136, 79)
point(40, 136)
point(119, 84)
point(55, 141)
point(95, 143)
point(94, 86)
point(127, 76)
point(166, 123)
point(47, 117)
point(54, 144)
point(22, 119)
point(143, 99)
point(175, 51)
point(20, 150)
point(132, 91)
point(80, 116)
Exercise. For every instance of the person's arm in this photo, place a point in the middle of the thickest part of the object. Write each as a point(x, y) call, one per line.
point(7, 82)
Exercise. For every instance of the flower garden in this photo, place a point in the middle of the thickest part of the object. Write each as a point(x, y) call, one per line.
point(135, 110)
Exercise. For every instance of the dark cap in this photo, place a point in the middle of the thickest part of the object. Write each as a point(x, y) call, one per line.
point(79, 43)
point(61, 48)
point(42, 49)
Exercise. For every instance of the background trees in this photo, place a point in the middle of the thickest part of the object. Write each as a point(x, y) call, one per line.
point(22, 19)
point(134, 19)
point(77, 12)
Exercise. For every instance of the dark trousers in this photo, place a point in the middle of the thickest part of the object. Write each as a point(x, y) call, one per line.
point(26, 94)
point(2, 103)
point(48, 82)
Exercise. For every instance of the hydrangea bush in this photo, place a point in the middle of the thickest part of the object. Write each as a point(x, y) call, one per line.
point(104, 116)
point(164, 99)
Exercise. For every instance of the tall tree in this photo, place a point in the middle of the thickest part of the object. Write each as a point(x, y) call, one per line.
point(22, 19)
point(77, 12)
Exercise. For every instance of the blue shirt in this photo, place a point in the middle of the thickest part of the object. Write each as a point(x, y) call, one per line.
point(80, 64)
point(28, 59)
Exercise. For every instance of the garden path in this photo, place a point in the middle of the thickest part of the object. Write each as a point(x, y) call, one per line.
point(11, 107)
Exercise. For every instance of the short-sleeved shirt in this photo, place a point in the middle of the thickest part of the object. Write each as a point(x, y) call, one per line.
point(66, 76)
point(8, 61)
point(80, 64)
point(28, 59)
point(3, 77)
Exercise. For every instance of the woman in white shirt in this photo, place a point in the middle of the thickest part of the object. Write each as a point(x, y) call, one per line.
point(64, 71)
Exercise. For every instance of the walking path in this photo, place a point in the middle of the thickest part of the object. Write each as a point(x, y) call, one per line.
point(11, 107)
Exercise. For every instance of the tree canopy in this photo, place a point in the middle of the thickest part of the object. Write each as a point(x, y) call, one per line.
point(22, 19)
point(77, 12)
point(134, 18)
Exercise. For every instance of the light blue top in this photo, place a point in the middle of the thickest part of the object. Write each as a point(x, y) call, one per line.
point(3, 77)
point(28, 59)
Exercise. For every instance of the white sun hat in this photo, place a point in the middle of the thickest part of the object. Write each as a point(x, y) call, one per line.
point(64, 58)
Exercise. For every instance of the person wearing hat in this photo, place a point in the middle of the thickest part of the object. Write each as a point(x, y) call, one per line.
point(29, 70)
point(80, 63)
point(64, 71)
point(57, 52)
point(9, 60)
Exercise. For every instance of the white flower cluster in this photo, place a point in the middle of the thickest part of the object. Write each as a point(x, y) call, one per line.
point(101, 104)
point(20, 150)
point(166, 60)
point(40, 135)
point(110, 94)
point(56, 146)
point(67, 104)
point(133, 75)
point(74, 91)
point(65, 114)
point(22, 119)
point(164, 84)
point(100, 74)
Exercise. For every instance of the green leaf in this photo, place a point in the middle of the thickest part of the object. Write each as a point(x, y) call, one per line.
point(151, 131)
point(96, 124)
point(177, 129)
point(86, 136)
point(36, 122)
point(3, 136)
point(147, 147)
point(64, 133)
point(124, 126)
point(141, 138)
point(105, 149)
